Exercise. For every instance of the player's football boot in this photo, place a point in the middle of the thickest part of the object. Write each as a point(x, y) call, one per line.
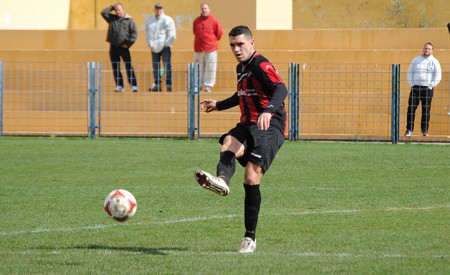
point(215, 184)
point(247, 246)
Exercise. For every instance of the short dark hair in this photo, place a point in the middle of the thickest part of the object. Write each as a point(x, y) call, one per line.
point(238, 30)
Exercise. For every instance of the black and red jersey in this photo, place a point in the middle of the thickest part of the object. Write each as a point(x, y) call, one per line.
point(259, 89)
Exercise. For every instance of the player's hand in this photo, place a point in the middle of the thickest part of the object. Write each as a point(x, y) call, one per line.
point(209, 105)
point(264, 121)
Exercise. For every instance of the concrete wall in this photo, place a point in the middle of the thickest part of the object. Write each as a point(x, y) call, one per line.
point(313, 46)
point(257, 14)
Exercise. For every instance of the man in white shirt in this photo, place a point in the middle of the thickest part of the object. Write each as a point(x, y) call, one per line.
point(160, 31)
point(423, 75)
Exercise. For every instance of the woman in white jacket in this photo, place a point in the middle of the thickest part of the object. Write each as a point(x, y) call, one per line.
point(160, 31)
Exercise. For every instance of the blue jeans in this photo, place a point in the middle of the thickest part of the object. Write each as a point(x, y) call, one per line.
point(165, 54)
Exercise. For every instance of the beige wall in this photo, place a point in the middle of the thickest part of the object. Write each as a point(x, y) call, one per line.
point(274, 15)
point(257, 14)
point(306, 14)
point(317, 46)
point(85, 14)
point(38, 15)
point(326, 14)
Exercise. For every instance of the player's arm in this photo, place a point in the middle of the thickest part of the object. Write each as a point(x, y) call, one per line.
point(279, 95)
point(228, 103)
point(212, 105)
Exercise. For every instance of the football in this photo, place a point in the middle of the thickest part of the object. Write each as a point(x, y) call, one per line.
point(120, 204)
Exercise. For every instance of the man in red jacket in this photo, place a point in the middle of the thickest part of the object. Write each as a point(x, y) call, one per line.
point(207, 32)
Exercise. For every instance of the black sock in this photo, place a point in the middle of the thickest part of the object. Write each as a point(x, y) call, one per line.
point(251, 209)
point(226, 166)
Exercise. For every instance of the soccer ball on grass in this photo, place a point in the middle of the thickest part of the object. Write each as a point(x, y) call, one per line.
point(120, 205)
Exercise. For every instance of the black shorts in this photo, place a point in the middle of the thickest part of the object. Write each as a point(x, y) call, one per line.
point(261, 147)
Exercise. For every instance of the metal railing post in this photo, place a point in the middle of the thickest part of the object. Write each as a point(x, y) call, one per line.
point(395, 122)
point(99, 98)
point(2, 77)
point(293, 100)
point(91, 90)
point(191, 100)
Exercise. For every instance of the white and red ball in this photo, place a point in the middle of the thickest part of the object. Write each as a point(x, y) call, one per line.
point(120, 204)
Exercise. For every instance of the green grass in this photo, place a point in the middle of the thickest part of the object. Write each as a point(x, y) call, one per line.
point(326, 208)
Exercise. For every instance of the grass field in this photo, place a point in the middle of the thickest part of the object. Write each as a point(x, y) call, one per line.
point(344, 208)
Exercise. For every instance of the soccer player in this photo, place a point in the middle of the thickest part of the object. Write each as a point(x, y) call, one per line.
point(256, 139)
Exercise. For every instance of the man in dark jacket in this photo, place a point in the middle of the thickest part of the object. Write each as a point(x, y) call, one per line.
point(122, 34)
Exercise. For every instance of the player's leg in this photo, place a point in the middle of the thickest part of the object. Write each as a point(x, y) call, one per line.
point(252, 203)
point(261, 154)
point(233, 146)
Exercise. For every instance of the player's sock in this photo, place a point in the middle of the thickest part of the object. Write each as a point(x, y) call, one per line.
point(226, 166)
point(251, 209)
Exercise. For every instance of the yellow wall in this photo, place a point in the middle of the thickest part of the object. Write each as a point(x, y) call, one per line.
point(85, 14)
point(257, 14)
point(318, 46)
point(336, 14)
point(306, 14)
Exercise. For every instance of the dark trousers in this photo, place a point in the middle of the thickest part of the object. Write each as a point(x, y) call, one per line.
point(165, 55)
point(419, 94)
point(115, 54)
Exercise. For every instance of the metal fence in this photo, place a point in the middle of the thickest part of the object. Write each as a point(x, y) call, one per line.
point(344, 102)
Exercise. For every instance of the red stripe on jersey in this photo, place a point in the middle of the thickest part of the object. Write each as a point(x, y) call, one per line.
point(271, 72)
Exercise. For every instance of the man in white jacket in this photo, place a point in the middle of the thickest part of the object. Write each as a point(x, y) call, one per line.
point(161, 34)
point(424, 74)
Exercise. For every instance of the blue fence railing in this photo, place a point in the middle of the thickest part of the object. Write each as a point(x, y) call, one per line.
point(351, 102)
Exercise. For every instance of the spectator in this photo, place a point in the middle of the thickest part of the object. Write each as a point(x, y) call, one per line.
point(207, 32)
point(161, 34)
point(122, 34)
point(424, 74)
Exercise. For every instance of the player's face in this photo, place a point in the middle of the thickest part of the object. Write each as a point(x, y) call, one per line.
point(427, 50)
point(242, 47)
point(205, 10)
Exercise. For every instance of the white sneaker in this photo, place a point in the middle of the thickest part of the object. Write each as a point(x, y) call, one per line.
point(207, 89)
point(134, 88)
point(247, 246)
point(118, 88)
point(215, 184)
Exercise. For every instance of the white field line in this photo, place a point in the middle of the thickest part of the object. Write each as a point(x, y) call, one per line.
point(195, 219)
point(231, 253)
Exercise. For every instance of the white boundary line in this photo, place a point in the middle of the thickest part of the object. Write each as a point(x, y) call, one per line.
point(102, 251)
point(195, 219)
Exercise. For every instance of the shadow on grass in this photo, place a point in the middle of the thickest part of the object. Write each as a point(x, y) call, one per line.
point(127, 249)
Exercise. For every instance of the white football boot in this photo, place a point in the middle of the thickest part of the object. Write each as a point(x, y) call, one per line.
point(215, 184)
point(247, 246)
